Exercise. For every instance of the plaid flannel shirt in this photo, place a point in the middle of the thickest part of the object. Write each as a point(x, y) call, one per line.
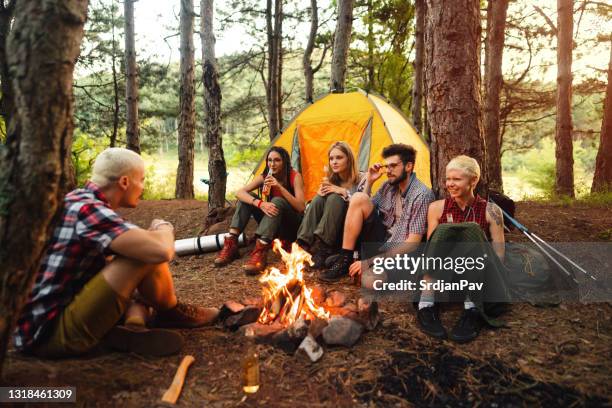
point(76, 252)
point(414, 209)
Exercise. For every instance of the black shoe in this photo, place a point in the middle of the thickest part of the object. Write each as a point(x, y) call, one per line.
point(467, 327)
point(338, 270)
point(429, 322)
point(322, 251)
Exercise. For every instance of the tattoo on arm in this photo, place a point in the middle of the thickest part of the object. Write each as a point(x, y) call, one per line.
point(495, 213)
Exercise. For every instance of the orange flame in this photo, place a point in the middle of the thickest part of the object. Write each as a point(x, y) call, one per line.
point(286, 296)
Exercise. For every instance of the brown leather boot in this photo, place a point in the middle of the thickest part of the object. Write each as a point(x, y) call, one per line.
point(257, 259)
point(186, 316)
point(229, 251)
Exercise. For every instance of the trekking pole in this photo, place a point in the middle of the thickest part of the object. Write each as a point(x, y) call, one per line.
point(527, 233)
point(564, 257)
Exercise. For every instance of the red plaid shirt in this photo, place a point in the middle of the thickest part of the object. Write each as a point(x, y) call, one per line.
point(477, 212)
point(77, 251)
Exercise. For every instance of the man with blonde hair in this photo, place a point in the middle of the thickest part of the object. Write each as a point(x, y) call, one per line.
point(95, 266)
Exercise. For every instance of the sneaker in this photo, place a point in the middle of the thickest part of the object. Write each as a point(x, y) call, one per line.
point(338, 269)
point(143, 341)
point(258, 259)
point(186, 316)
point(467, 327)
point(321, 252)
point(229, 251)
point(429, 322)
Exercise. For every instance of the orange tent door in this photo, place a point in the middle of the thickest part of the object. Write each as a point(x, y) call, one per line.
point(314, 142)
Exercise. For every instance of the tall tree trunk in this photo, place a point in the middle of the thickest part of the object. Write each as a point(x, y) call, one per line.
point(273, 88)
point(212, 114)
point(417, 87)
point(342, 40)
point(306, 60)
point(370, 41)
point(113, 140)
point(131, 89)
point(278, 36)
point(564, 177)
point(32, 162)
point(602, 179)
point(186, 127)
point(452, 40)
point(496, 25)
point(6, 97)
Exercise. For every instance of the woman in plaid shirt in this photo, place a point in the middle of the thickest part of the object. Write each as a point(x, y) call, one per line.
point(461, 205)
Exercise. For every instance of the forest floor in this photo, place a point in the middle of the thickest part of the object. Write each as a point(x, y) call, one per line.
point(558, 356)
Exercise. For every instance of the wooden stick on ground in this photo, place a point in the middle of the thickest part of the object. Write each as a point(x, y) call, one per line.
point(173, 392)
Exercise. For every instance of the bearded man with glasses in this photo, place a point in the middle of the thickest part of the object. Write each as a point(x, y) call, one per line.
point(397, 214)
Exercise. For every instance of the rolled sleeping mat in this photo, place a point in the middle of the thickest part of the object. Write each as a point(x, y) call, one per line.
point(203, 244)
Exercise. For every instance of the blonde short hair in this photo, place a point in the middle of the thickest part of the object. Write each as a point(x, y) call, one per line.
point(468, 165)
point(113, 163)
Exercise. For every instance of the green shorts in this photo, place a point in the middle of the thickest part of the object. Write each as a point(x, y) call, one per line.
point(84, 322)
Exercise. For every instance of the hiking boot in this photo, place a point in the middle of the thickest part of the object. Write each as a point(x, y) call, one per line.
point(429, 322)
point(338, 269)
point(258, 259)
point(143, 341)
point(186, 316)
point(229, 251)
point(467, 327)
point(321, 252)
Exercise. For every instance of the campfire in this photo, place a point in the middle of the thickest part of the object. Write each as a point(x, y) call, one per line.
point(286, 296)
point(295, 316)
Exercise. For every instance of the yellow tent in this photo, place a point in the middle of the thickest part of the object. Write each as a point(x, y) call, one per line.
point(365, 121)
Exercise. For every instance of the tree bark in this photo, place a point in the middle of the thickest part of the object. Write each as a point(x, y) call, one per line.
point(417, 87)
point(6, 99)
point(452, 41)
point(132, 132)
point(306, 60)
point(602, 179)
point(32, 162)
point(370, 40)
point(278, 36)
point(186, 127)
point(342, 40)
point(496, 25)
point(273, 88)
point(113, 139)
point(564, 176)
point(212, 113)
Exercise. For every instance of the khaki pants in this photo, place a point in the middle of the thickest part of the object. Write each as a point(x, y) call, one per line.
point(84, 322)
point(324, 218)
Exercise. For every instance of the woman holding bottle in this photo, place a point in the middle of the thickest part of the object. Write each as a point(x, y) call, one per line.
point(321, 230)
point(280, 202)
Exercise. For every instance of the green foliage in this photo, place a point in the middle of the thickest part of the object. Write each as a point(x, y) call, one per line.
point(533, 172)
point(85, 149)
point(158, 187)
point(379, 56)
